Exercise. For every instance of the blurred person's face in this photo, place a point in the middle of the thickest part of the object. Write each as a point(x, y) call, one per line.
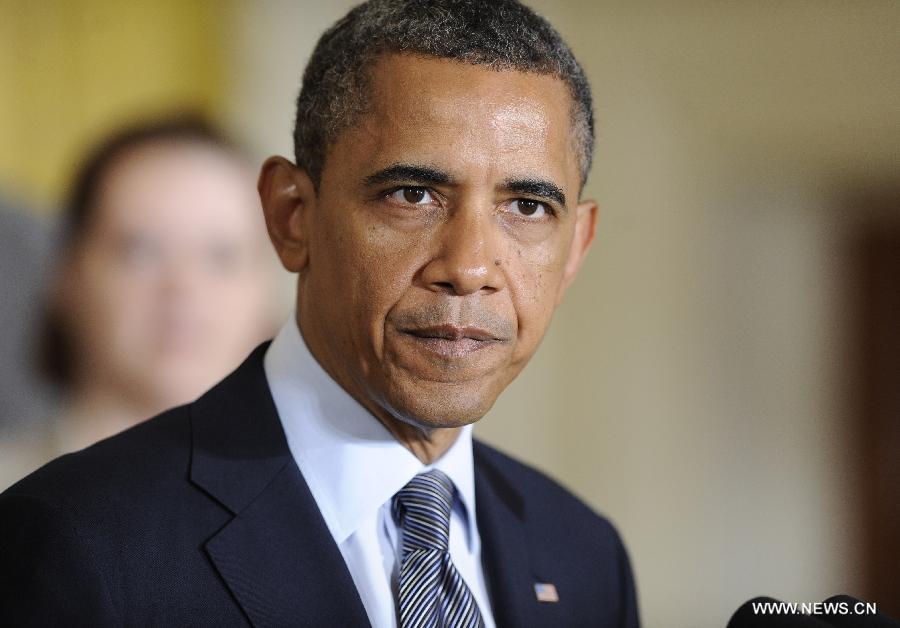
point(168, 288)
point(439, 243)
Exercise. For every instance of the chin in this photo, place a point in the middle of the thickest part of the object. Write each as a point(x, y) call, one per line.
point(434, 405)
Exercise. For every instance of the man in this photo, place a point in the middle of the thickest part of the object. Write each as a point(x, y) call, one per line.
point(332, 480)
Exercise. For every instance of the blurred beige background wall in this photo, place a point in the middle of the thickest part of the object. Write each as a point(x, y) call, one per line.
point(693, 386)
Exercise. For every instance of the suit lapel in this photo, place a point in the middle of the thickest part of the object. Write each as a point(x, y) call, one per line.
point(281, 563)
point(276, 555)
point(504, 545)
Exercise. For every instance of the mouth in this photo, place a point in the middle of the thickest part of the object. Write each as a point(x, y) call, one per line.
point(449, 341)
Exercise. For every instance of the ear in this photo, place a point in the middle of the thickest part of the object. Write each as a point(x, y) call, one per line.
point(287, 194)
point(585, 230)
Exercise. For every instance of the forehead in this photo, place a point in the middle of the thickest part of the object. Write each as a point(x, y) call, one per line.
point(467, 117)
point(176, 184)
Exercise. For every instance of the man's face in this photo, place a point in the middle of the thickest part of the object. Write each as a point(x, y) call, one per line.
point(443, 235)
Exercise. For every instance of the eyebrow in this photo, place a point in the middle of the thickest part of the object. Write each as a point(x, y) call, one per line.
point(536, 187)
point(408, 172)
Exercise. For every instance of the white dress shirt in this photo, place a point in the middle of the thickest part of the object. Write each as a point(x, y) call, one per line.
point(354, 466)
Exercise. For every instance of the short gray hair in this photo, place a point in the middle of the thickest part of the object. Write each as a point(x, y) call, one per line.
point(500, 34)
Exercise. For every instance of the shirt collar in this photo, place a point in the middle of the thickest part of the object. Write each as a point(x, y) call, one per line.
point(351, 462)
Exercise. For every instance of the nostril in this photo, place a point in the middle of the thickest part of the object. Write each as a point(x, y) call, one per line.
point(444, 286)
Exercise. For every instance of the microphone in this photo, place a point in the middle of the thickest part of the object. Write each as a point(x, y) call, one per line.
point(855, 614)
point(839, 611)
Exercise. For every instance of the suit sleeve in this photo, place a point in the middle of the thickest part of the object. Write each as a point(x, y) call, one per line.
point(47, 575)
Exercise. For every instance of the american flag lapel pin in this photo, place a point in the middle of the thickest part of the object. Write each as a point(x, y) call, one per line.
point(545, 592)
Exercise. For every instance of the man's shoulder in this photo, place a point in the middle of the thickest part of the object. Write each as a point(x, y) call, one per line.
point(146, 461)
point(113, 535)
point(123, 467)
point(544, 500)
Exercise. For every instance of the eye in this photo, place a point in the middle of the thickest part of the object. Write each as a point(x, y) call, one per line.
point(412, 195)
point(530, 208)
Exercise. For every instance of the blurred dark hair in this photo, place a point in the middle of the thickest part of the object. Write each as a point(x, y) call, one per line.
point(89, 177)
point(55, 346)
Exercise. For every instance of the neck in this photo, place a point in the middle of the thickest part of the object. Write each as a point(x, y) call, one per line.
point(426, 445)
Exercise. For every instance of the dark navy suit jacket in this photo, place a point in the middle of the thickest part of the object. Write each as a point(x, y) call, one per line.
point(200, 516)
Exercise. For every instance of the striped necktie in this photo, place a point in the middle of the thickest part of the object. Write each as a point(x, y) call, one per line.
point(432, 594)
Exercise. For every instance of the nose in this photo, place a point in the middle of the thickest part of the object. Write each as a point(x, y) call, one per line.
point(466, 260)
point(180, 277)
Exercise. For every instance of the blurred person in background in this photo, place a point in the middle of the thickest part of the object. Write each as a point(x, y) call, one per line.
point(163, 281)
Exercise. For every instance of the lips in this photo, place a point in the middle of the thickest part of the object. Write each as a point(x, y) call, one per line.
point(451, 332)
point(450, 341)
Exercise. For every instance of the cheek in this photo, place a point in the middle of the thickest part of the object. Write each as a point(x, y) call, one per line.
point(392, 257)
point(252, 297)
point(242, 295)
point(102, 296)
point(534, 275)
point(360, 271)
point(124, 305)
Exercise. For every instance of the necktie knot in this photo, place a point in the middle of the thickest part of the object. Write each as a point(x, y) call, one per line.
point(422, 509)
